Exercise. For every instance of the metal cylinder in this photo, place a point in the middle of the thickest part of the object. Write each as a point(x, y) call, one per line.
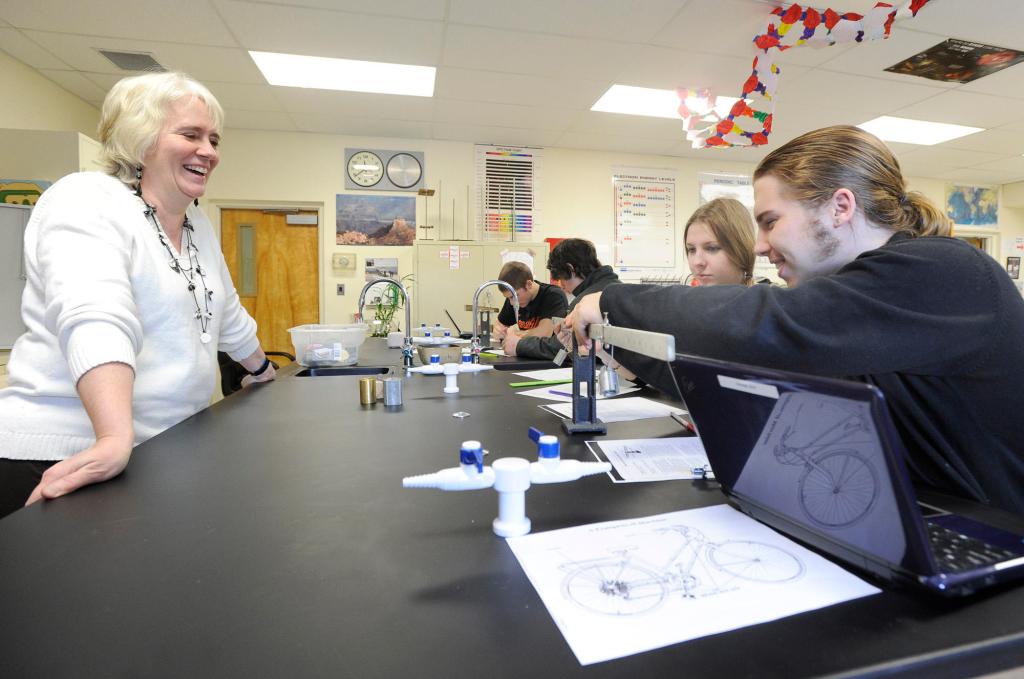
point(393, 391)
point(367, 390)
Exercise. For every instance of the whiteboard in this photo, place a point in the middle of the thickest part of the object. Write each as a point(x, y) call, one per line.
point(13, 219)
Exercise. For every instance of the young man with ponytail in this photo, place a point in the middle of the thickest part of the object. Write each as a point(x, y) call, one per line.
point(877, 292)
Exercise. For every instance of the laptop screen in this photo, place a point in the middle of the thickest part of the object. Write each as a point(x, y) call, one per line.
point(807, 452)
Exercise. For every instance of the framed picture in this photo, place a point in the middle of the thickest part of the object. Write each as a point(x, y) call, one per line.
point(375, 220)
point(973, 205)
point(1013, 267)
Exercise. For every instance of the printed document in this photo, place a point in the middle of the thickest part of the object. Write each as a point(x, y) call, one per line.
point(621, 409)
point(623, 587)
point(653, 459)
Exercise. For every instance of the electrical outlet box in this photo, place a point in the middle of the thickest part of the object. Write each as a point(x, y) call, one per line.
point(341, 289)
point(343, 261)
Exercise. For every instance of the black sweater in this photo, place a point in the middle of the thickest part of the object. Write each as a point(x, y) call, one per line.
point(547, 347)
point(933, 322)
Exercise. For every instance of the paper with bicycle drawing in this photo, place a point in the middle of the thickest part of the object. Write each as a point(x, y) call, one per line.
point(623, 587)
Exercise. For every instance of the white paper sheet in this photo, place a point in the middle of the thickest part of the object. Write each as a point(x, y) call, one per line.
point(652, 459)
point(563, 393)
point(623, 587)
point(621, 409)
point(549, 374)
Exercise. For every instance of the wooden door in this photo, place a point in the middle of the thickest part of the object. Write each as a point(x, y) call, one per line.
point(275, 268)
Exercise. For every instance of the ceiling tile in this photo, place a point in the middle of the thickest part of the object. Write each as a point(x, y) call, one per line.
point(355, 104)
point(608, 142)
point(532, 53)
point(973, 175)
point(77, 84)
point(821, 87)
point(204, 63)
point(27, 51)
point(995, 22)
point(294, 30)
point(1006, 83)
point(183, 22)
point(1014, 164)
point(666, 68)
point(945, 156)
point(245, 96)
point(963, 108)
point(431, 10)
point(511, 88)
point(364, 127)
point(621, 21)
point(999, 140)
point(240, 119)
point(624, 125)
point(488, 134)
point(502, 115)
point(871, 58)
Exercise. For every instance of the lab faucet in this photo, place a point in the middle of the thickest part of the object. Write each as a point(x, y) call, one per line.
point(475, 346)
point(407, 343)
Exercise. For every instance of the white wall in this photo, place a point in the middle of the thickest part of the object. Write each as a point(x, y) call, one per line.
point(33, 102)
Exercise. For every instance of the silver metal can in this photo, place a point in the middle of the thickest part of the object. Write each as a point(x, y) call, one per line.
point(393, 391)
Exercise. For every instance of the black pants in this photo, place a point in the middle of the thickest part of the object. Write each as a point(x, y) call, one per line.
point(18, 478)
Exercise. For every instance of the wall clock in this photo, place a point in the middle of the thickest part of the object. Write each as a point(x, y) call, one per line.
point(365, 168)
point(370, 169)
point(404, 170)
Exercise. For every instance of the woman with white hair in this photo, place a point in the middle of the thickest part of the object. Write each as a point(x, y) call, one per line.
point(127, 298)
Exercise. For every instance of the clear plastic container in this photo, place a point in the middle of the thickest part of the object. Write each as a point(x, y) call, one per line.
point(319, 346)
point(435, 330)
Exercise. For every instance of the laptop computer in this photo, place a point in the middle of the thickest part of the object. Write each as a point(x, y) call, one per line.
point(820, 460)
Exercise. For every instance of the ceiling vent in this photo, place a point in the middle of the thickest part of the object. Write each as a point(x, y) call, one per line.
point(133, 61)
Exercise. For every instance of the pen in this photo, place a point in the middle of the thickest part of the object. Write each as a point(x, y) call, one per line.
point(538, 383)
point(559, 393)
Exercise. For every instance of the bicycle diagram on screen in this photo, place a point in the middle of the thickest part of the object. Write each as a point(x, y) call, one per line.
point(838, 485)
point(626, 583)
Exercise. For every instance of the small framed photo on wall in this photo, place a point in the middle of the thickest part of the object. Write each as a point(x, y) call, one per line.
point(1013, 267)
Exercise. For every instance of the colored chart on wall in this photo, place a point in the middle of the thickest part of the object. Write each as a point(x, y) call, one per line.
point(507, 181)
point(645, 218)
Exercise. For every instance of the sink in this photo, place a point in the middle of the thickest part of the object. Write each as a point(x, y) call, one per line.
point(347, 370)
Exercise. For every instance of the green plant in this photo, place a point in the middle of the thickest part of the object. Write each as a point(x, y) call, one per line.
point(388, 303)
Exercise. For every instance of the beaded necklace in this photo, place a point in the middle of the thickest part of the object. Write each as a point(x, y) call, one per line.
point(203, 315)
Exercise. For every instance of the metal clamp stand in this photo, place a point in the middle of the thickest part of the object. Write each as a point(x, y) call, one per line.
point(584, 406)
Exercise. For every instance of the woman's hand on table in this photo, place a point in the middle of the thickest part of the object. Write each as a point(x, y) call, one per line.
point(104, 460)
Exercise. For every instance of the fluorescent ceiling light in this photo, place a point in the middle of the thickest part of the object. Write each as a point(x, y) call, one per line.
point(909, 131)
point(646, 101)
point(323, 73)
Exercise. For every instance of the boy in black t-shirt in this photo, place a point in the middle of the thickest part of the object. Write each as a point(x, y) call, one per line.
point(538, 303)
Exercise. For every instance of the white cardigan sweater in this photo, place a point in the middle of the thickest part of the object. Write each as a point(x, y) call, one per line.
point(100, 289)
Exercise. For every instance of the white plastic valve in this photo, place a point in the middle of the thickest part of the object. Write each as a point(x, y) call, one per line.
point(511, 477)
point(453, 478)
point(544, 471)
point(451, 378)
point(511, 480)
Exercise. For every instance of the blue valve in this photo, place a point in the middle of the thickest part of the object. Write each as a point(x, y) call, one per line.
point(547, 446)
point(472, 453)
point(435, 358)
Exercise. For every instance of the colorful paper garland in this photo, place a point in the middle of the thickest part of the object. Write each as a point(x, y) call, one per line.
point(797, 26)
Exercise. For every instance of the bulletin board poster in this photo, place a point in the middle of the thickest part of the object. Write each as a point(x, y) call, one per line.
point(645, 218)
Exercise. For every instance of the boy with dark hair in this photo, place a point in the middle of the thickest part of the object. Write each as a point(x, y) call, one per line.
point(538, 303)
point(575, 268)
